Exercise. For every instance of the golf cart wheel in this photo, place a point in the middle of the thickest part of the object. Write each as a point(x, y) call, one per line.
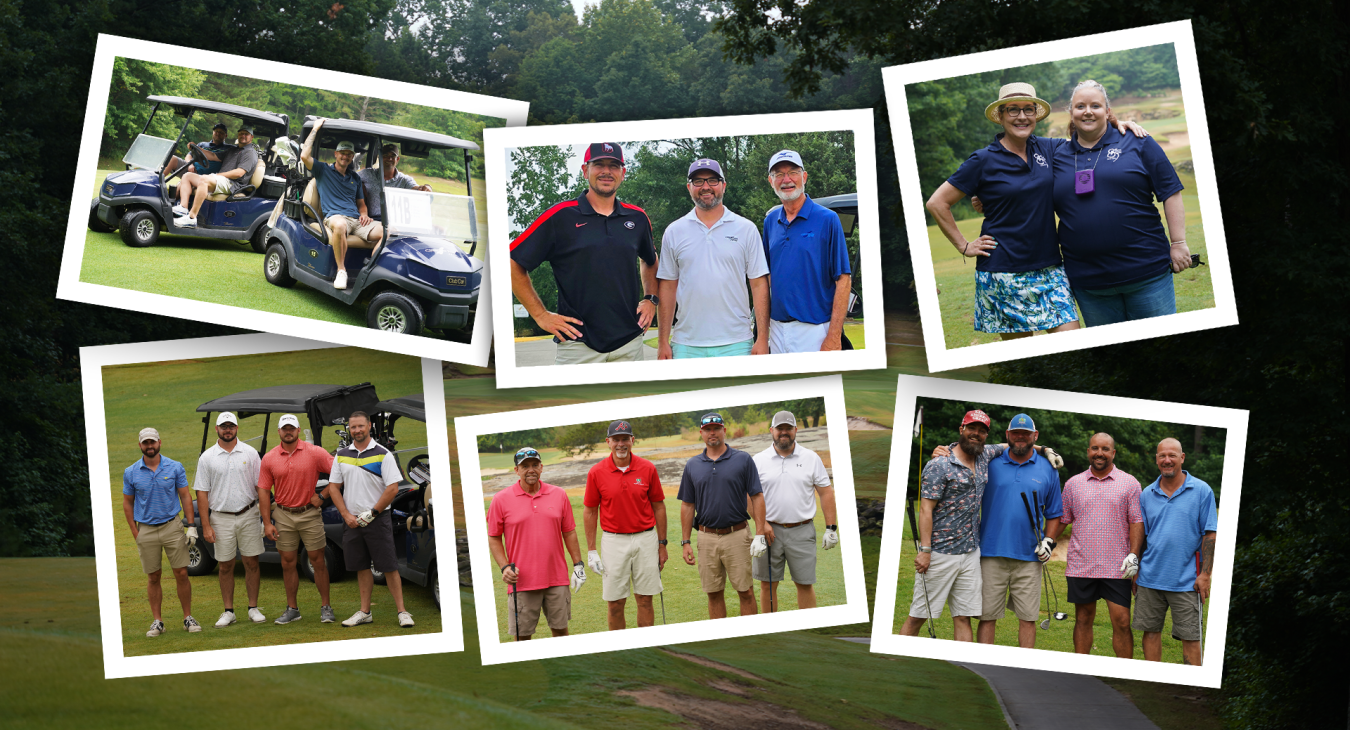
point(96, 224)
point(393, 311)
point(332, 559)
point(259, 241)
point(199, 562)
point(434, 581)
point(139, 228)
point(377, 575)
point(276, 268)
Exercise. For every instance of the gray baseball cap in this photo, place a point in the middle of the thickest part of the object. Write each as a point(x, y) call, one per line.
point(784, 418)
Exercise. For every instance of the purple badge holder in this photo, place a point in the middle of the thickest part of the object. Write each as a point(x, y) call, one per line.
point(1083, 182)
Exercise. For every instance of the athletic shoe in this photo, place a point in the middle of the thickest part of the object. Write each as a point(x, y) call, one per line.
point(340, 281)
point(190, 625)
point(405, 619)
point(326, 615)
point(179, 210)
point(156, 628)
point(226, 618)
point(256, 616)
point(185, 221)
point(292, 614)
point(360, 617)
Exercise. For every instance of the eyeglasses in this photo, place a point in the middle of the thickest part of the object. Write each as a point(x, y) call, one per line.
point(705, 182)
point(1013, 111)
point(794, 173)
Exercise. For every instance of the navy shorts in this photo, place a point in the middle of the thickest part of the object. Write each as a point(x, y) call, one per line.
point(1091, 590)
point(372, 544)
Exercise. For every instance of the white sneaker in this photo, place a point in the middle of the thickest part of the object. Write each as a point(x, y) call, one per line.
point(179, 210)
point(226, 618)
point(256, 616)
point(358, 618)
point(156, 628)
point(185, 221)
point(340, 281)
point(405, 619)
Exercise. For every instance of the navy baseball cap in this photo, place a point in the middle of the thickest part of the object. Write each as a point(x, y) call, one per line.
point(1021, 422)
point(711, 419)
point(705, 164)
point(599, 150)
point(528, 452)
point(220, 125)
point(620, 428)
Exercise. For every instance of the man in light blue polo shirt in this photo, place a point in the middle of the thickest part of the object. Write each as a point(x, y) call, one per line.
point(1180, 519)
point(706, 259)
point(342, 198)
point(152, 491)
point(808, 260)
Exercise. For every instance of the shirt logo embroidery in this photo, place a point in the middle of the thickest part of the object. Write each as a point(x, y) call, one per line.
point(732, 238)
point(1113, 154)
point(630, 225)
point(580, 225)
point(1040, 160)
point(637, 481)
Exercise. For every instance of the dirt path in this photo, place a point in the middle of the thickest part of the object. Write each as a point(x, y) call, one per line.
point(1176, 140)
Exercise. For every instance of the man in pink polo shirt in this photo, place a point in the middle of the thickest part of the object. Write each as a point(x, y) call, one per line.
point(1102, 503)
point(531, 515)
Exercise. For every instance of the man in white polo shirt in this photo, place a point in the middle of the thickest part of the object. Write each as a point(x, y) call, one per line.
point(793, 478)
point(706, 259)
point(226, 483)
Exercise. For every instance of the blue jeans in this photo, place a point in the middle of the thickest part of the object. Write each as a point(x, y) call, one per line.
point(1140, 300)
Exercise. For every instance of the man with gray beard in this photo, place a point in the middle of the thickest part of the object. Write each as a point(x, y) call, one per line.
point(706, 259)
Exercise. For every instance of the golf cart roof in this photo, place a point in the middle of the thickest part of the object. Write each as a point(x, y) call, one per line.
point(412, 142)
point(846, 206)
point(276, 399)
point(412, 406)
point(182, 105)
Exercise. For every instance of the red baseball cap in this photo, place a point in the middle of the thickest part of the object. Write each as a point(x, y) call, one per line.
point(976, 416)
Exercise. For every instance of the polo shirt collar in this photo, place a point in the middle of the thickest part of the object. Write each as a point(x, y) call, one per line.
point(1111, 136)
point(795, 446)
point(693, 216)
point(1156, 486)
point(519, 490)
point(351, 171)
point(805, 212)
point(584, 203)
point(1109, 475)
point(725, 455)
point(372, 445)
point(299, 444)
point(1006, 456)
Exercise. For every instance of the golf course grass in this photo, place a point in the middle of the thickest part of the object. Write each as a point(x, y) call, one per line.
point(165, 395)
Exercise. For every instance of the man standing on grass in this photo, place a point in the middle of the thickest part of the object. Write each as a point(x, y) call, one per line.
point(624, 493)
point(793, 478)
point(153, 489)
point(1180, 520)
point(604, 306)
point(531, 516)
point(293, 468)
point(715, 489)
point(364, 481)
point(714, 252)
point(227, 500)
point(1102, 504)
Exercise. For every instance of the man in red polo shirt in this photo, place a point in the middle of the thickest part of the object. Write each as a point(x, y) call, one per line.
point(293, 467)
point(624, 492)
point(531, 515)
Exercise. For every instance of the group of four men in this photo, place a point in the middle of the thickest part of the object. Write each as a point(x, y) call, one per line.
point(241, 498)
point(708, 259)
point(991, 514)
point(721, 490)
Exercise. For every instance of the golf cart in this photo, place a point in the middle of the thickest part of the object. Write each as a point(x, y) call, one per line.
point(420, 276)
point(138, 203)
point(414, 528)
point(324, 406)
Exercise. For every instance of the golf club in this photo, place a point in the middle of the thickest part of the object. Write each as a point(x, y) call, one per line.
point(1202, 611)
point(663, 606)
point(1045, 569)
point(913, 526)
point(768, 568)
point(515, 603)
point(1036, 539)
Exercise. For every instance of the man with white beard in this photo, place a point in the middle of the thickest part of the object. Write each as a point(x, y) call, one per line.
point(808, 258)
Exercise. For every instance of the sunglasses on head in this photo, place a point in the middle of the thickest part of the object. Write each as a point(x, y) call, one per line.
point(526, 454)
point(711, 419)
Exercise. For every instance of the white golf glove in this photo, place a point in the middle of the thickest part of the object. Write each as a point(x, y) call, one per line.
point(758, 546)
point(593, 559)
point(365, 518)
point(830, 540)
point(578, 577)
point(1130, 566)
point(1053, 457)
point(1044, 548)
point(191, 533)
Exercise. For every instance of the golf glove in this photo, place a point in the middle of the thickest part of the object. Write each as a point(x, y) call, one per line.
point(1053, 457)
point(593, 558)
point(758, 546)
point(578, 577)
point(1130, 566)
point(830, 540)
point(192, 533)
point(1044, 548)
point(365, 518)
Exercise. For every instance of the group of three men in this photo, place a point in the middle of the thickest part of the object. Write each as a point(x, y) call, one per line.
point(720, 490)
point(708, 259)
point(990, 517)
point(241, 498)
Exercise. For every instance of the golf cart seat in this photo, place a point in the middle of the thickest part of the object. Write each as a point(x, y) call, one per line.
point(312, 199)
point(245, 193)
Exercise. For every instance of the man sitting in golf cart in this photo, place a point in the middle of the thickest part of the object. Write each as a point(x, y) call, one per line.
point(236, 172)
point(343, 202)
point(207, 161)
point(388, 175)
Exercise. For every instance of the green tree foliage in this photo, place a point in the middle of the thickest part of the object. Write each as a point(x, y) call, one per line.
point(504, 443)
point(132, 81)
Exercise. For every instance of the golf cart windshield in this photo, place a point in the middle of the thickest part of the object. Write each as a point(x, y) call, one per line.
point(148, 153)
point(418, 213)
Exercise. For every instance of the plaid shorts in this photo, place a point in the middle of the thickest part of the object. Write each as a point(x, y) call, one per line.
point(1023, 301)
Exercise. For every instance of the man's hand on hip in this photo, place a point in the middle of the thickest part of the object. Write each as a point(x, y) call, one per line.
point(559, 326)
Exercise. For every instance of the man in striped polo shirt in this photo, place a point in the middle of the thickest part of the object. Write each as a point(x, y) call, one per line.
point(591, 242)
point(293, 467)
point(364, 481)
point(152, 491)
point(226, 483)
point(1102, 504)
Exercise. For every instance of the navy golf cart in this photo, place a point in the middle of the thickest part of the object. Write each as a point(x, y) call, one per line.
point(138, 202)
point(846, 207)
point(423, 275)
point(414, 527)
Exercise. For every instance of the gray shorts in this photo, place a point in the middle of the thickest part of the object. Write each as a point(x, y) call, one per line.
point(1150, 608)
point(795, 546)
point(952, 580)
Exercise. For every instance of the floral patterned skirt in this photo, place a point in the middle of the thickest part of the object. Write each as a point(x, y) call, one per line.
point(1024, 301)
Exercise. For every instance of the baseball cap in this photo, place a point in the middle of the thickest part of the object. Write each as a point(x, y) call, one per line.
point(390, 147)
point(1021, 422)
point(225, 418)
point(346, 146)
point(529, 452)
point(245, 128)
point(784, 417)
point(220, 125)
point(617, 428)
point(288, 420)
point(976, 416)
point(705, 164)
point(711, 419)
point(597, 150)
point(148, 434)
point(785, 156)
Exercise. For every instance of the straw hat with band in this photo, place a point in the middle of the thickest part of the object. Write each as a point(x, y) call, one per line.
point(1015, 93)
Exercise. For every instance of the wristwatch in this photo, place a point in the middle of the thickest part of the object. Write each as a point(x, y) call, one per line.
point(653, 299)
point(577, 563)
point(685, 542)
point(925, 549)
point(832, 527)
point(662, 542)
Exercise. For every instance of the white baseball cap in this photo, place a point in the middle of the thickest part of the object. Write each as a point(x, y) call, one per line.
point(225, 418)
point(785, 156)
point(288, 420)
point(148, 434)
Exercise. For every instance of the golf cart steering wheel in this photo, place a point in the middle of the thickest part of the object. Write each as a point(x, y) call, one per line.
point(418, 463)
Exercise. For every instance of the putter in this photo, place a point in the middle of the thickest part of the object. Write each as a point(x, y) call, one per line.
point(1202, 611)
point(913, 526)
point(663, 606)
point(515, 603)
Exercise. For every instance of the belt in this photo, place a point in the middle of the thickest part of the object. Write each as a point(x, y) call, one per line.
point(295, 510)
point(790, 524)
point(240, 512)
point(639, 532)
point(723, 530)
point(158, 524)
point(785, 321)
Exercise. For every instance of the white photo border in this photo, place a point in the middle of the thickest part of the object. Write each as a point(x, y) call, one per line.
point(940, 358)
point(116, 664)
point(70, 287)
point(1209, 674)
point(496, 142)
point(493, 651)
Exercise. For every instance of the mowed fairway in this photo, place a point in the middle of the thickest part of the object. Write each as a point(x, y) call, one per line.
point(165, 396)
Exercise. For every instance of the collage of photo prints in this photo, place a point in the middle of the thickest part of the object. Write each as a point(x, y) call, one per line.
point(649, 369)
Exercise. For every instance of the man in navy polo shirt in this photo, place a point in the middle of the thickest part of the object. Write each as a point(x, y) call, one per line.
point(1180, 519)
point(714, 491)
point(603, 308)
point(809, 270)
point(342, 197)
point(152, 491)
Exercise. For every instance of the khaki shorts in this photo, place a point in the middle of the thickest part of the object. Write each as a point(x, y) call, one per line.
point(292, 528)
point(1013, 583)
point(951, 580)
point(220, 185)
point(795, 546)
point(168, 537)
point(578, 353)
point(630, 558)
point(1150, 608)
point(241, 533)
point(352, 226)
point(555, 602)
point(725, 557)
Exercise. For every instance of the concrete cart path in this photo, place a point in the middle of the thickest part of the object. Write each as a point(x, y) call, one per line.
point(541, 352)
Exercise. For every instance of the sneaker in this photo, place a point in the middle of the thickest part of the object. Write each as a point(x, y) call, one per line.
point(326, 615)
point(156, 628)
point(185, 221)
point(190, 625)
point(292, 614)
point(180, 211)
point(256, 616)
point(226, 618)
point(358, 618)
point(340, 281)
point(405, 619)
